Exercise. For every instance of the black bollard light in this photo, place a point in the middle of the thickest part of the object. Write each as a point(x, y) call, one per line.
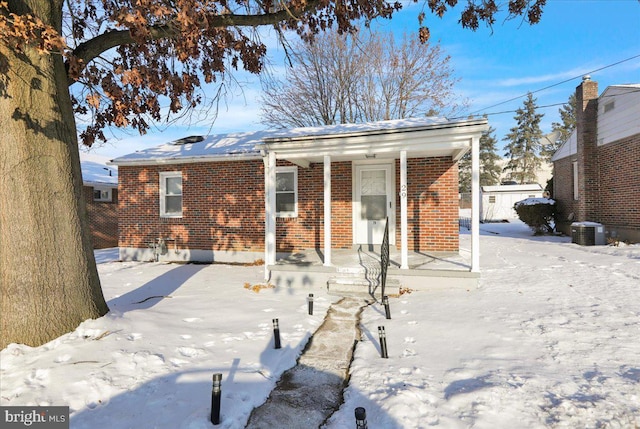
point(383, 342)
point(276, 334)
point(361, 418)
point(310, 301)
point(216, 393)
point(387, 312)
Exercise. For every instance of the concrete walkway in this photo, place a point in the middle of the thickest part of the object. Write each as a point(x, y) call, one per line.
point(310, 392)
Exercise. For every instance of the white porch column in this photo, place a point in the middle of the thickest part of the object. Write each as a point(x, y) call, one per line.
point(475, 205)
point(269, 212)
point(327, 210)
point(404, 242)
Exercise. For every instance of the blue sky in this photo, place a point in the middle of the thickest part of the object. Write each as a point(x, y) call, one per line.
point(574, 37)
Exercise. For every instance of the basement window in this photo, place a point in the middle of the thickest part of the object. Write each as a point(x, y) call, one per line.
point(102, 194)
point(171, 194)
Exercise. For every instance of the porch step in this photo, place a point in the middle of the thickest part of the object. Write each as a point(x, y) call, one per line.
point(359, 286)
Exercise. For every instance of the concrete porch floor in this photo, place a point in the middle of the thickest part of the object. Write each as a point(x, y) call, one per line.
point(367, 256)
point(426, 269)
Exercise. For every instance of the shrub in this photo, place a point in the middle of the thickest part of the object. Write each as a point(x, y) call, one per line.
point(538, 213)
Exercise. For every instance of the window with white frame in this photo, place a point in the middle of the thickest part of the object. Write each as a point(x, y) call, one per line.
point(287, 192)
point(102, 194)
point(171, 194)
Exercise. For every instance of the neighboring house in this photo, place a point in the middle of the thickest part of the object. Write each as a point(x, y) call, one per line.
point(496, 203)
point(543, 173)
point(597, 170)
point(245, 196)
point(101, 195)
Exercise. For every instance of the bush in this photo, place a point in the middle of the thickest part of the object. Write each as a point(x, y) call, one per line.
point(538, 213)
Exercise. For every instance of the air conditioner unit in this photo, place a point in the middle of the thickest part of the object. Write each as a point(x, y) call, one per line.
point(588, 234)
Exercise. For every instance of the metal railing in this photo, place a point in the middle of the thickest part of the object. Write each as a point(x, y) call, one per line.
point(384, 258)
point(465, 222)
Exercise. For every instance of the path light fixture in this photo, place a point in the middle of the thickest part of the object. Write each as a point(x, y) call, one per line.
point(310, 302)
point(385, 302)
point(361, 418)
point(276, 334)
point(383, 342)
point(216, 393)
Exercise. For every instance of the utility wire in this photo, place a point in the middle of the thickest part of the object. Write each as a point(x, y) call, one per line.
point(545, 106)
point(555, 84)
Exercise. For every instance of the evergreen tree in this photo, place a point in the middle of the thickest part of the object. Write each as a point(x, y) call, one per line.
point(524, 146)
point(562, 129)
point(489, 168)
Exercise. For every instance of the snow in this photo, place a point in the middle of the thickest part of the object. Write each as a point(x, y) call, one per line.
point(96, 172)
point(548, 339)
point(244, 144)
point(586, 223)
point(534, 201)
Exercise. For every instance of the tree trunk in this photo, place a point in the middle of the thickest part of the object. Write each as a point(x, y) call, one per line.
point(48, 278)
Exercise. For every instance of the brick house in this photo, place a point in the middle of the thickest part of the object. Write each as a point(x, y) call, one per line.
point(258, 195)
point(100, 188)
point(597, 170)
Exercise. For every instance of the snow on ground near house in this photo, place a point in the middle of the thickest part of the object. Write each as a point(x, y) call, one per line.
point(549, 339)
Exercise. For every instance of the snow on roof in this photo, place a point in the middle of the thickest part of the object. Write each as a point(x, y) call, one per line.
point(244, 144)
point(512, 188)
point(95, 170)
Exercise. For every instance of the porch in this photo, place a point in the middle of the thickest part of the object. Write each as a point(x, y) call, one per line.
point(390, 177)
point(427, 270)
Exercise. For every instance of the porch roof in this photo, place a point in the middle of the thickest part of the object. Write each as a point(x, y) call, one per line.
point(420, 137)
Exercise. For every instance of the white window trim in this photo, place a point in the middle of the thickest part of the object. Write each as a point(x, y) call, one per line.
point(293, 169)
point(163, 193)
point(108, 197)
point(576, 189)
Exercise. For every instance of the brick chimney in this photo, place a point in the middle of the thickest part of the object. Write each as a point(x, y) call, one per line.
point(587, 135)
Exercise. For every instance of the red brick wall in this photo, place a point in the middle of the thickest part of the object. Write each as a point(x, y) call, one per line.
point(587, 133)
point(619, 184)
point(103, 219)
point(563, 193)
point(223, 206)
point(307, 230)
point(619, 168)
point(432, 204)
point(222, 202)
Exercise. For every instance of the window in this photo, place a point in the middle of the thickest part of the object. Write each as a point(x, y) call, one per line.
point(609, 106)
point(171, 194)
point(101, 194)
point(575, 181)
point(287, 192)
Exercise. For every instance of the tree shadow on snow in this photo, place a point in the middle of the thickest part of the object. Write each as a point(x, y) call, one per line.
point(152, 292)
point(182, 399)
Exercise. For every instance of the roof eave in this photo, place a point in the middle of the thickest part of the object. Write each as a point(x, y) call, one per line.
point(185, 160)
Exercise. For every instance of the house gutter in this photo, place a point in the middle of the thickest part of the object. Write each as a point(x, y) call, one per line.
point(250, 156)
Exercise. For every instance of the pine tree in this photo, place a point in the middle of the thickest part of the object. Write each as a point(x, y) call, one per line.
point(524, 147)
point(489, 168)
point(562, 129)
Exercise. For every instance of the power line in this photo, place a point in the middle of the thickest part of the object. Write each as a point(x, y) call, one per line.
point(548, 105)
point(555, 84)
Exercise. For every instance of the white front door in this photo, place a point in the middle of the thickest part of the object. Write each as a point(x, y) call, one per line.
point(373, 202)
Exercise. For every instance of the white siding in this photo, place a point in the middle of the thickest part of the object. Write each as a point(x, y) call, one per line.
point(624, 119)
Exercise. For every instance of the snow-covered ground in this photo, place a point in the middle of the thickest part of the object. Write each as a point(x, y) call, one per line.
point(549, 339)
